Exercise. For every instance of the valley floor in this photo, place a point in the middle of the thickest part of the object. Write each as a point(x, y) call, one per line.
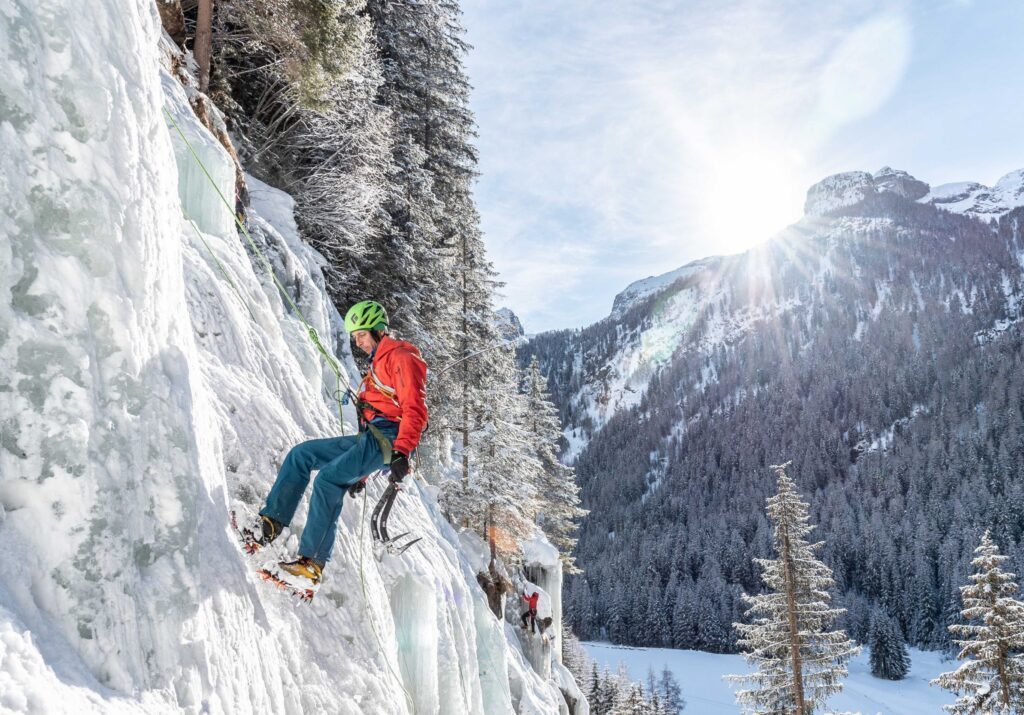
point(706, 693)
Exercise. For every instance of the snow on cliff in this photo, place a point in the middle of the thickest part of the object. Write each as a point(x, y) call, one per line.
point(841, 190)
point(967, 197)
point(980, 201)
point(151, 378)
point(637, 291)
point(838, 191)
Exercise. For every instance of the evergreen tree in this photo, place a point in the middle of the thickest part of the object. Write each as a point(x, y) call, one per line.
point(799, 662)
point(632, 701)
point(560, 509)
point(594, 691)
point(499, 494)
point(671, 694)
point(610, 696)
point(992, 680)
point(889, 658)
point(431, 249)
point(574, 658)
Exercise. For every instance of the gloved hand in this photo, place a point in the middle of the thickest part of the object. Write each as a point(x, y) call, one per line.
point(399, 468)
point(357, 487)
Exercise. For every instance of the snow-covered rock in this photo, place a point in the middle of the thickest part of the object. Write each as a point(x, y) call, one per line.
point(849, 188)
point(638, 291)
point(838, 191)
point(974, 199)
point(153, 376)
point(509, 325)
point(897, 181)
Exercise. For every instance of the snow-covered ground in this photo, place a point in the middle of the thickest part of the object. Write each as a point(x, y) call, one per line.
point(706, 693)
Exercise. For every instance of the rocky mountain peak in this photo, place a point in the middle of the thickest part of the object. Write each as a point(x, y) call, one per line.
point(848, 188)
point(509, 325)
point(900, 182)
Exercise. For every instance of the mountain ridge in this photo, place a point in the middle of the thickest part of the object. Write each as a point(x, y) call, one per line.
point(846, 343)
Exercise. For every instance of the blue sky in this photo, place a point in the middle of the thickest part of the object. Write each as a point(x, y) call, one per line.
point(621, 139)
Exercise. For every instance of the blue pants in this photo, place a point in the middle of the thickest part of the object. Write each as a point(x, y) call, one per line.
point(342, 462)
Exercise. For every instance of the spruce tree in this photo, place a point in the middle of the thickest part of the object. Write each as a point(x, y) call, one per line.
point(992, 679)
point(558, 493)
point(889, 658)
point(594, 689)
point(498, 494)
point(800, 663)
point(671, 694)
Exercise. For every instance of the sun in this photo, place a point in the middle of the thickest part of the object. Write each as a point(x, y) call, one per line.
point(750, 194)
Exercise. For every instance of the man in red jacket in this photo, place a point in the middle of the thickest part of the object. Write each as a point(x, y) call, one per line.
point(531, 611)
point(392, 415)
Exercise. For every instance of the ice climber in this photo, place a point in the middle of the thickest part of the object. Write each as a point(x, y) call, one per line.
point(392, 416)
point(531, 611)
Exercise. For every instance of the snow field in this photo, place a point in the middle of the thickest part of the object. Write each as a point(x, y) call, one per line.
point(706, 693)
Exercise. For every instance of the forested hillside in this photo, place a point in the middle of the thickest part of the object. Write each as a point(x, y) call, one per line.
point(876, 344)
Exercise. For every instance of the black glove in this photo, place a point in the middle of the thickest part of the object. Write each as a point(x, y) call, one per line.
point(399, 468)
point(357, 487)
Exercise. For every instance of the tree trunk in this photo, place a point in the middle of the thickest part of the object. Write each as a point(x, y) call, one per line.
point(794, 632)
point(203, 46)
point(1004, 678)
point(491, 541)
point(465, 366)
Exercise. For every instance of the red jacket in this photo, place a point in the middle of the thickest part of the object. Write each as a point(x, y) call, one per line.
point(532, 600)
point(395, 388)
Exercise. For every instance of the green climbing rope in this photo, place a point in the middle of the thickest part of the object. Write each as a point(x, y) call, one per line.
point(223, 272)
point(313, 335)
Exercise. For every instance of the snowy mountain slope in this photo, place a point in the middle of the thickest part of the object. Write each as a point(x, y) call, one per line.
point(604, 369)
point(877, 345)
point(974, 199)
point(143, 393)
point(637, 291)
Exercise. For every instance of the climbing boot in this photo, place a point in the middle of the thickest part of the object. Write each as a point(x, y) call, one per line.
point(303, 572)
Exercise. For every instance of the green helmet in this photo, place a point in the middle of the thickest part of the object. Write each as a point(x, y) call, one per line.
point(366, 315)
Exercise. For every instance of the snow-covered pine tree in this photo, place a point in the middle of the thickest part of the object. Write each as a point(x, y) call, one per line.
point(593, 688)
point(410, 267)
point(434, 254)
point(299, 82)
point(498, 495)
point(800, 663)
point(671, 694)
point(992, 679)
point(632, 701)
point(889, 657)
point(574, 658)
point(602, 694)
point(560, 510)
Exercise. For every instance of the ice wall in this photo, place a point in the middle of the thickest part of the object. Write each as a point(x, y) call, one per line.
point(543, 567)
point(151, 377)
point(103, 467)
